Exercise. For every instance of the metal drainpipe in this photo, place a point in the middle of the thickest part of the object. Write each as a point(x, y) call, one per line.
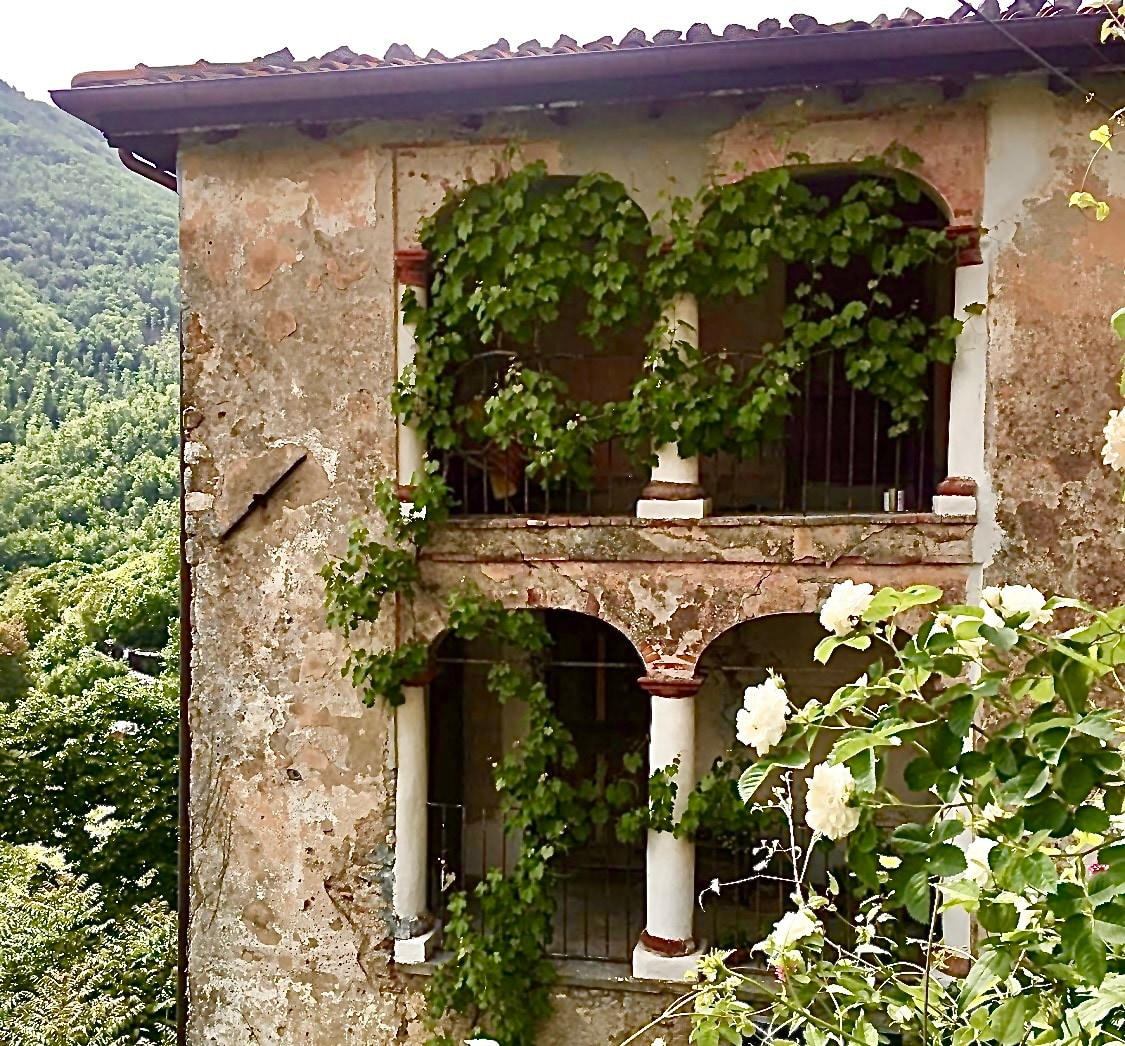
point(184, 869)
point(147, 170)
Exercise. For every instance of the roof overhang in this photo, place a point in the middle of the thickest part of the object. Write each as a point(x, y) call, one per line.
point(148, 118)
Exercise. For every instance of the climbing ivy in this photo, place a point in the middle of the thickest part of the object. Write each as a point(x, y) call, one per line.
point(508, 253)
point(712, 808)
point(372, 569)
point(497, 975)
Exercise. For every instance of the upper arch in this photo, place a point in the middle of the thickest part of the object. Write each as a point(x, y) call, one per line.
point(949, 141)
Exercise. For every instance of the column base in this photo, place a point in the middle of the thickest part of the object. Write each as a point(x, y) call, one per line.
point(652, 966)
point(415, 950)
point(658, 508)
point(955, 504)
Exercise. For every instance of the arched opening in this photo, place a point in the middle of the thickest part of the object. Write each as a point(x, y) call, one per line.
point(591, 672)
point(742, 914)
point(486, 479)
point(833, 452)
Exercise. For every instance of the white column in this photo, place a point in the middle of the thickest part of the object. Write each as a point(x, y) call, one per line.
point(965, 443)
point(667, 948)
point(410, 271)
point(415, 932)
point(673, 491)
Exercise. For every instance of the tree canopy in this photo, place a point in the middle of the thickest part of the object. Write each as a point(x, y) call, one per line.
point(89, 593)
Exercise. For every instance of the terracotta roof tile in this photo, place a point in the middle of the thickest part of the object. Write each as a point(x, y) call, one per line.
point(699, 35)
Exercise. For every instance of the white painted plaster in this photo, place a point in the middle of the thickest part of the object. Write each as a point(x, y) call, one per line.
point(955, 505)
point(416, 950)
point(671, 468)
point(1019, 172)
point(681, 320)
point(658, 508)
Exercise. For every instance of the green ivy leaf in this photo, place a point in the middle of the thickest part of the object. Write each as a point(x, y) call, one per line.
point(916, 895)
point(1008, 1024)
point(755, 775)
point(1117, 322)
point(1088, 950)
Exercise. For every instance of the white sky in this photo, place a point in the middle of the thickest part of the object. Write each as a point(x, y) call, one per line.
point(45, 42)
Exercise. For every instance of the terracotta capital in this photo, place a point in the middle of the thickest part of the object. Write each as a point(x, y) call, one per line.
point(412, 267)
point(422, 678)
point(671, 686)
point(967, 240)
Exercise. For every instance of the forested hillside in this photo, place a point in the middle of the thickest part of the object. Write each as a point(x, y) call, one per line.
point(88, 588)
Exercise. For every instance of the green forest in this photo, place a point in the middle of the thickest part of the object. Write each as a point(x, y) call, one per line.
point(88, 589)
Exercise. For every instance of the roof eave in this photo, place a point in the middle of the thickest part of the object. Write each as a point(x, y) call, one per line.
point(149, 117)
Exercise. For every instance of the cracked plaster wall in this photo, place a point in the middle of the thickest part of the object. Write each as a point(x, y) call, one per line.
point(287, 252)
point(1053, 362)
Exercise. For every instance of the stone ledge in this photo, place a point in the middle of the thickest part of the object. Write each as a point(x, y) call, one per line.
point(892, 539)
point(576, 973)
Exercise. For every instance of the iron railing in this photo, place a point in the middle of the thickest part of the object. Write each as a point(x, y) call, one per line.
point(492, 481)
point(833, 456)
point(599, 900)
point(750, 899)
point(600, 893)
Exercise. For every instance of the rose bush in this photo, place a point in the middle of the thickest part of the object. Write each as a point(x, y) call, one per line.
point(974, 767)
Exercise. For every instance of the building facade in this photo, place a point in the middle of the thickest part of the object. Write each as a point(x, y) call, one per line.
point(323, 833)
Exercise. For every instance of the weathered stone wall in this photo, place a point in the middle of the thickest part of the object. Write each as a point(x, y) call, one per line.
point(288, 244)
point(1053, 362)
point(288, 349)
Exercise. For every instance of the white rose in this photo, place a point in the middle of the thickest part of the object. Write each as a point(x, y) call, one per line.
point(900, 1014)
point(972, 646)
point(1113, 453)
point(827, 810)
point(761, 720)
point(787, 931)
point(1012, 600)
point(845, 606)
point(976, 857)
point(990, 597)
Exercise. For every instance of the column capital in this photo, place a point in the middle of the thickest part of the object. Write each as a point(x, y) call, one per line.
point(966, 238)
point(671, 686)
point(423, 678)
point(412, 267)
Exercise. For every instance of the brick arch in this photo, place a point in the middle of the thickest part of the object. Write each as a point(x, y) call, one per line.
point(950, 139)
point(672, 612)
point(513, 592)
